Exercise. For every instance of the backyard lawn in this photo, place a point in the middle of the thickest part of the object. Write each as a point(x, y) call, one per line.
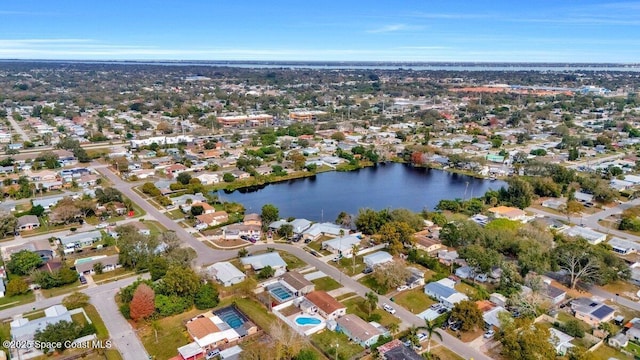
point(607, 352)
point(326, 284)
point(413, 300)
point(372, 284)
point(358, 307)
point(171, 334)
point(327, 340)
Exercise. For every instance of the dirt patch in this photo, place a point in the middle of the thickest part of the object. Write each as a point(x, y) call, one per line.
point(229, 243)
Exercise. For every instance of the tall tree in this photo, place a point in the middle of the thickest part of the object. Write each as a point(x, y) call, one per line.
point(143, 303)
point(431, 329)
point(469, 314)
point(371, 299)
point(270, 213)
point(576, 258)
point(23, 262)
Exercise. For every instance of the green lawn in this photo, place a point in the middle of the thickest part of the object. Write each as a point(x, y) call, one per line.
point(372, 284)
point(119, 272)
point(327, 340)
point(413, 300)
point(171, 334)
point(9, 301)
point(633, 348)
point(79, 318)
point(326, 284)
point(34, 315)
point(292, 261)
point(358, 307)
point(155, 227)
point(466, 289)
point(96, 320)
point(176, 214)
point(62, 290)
point(347, 266)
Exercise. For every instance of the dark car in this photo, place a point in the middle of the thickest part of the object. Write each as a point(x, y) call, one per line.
point(367, 271)
point(456, 326)
point(83, 280)
point(315, 253)
point(308, 240)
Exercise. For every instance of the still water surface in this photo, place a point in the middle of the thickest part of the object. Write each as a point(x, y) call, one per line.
point(392, 185)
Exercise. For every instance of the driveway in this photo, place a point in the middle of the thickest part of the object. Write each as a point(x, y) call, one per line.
point(429, 315)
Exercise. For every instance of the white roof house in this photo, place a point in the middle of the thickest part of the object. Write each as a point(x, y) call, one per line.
point(623, 247)
point(226, 273)
point(377, 258)
point(300, 225)
point(342, 245)
point(561, 341)
point(592, 236)
point(258, 262)
point(491, 317)
point(319, 229)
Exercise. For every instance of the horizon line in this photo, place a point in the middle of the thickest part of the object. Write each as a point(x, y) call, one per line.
point(440, 62)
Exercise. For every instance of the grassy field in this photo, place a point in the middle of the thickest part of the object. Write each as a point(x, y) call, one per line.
point(171, 334)
point(112, 274)
point(326, 284)
point(292, 261)
point(96, 320)
point(372, 284)
point(327, 340)
point(466, 289)
point(606, 352)
point(62, 290)
point(155, 227)
point(9, 301)
point(359, 307)
point(346, 265)
point(413, 300)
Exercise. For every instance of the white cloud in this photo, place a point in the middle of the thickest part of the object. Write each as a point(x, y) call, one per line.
point(394, 28)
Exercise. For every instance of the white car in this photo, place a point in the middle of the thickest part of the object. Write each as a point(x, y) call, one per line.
point(101, 226)
point(388, 309)
point(402, 288)
point(489, 334)
point(421, 337)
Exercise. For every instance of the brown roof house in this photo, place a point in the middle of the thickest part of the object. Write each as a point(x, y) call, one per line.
point(297, 283)
point(326, 305)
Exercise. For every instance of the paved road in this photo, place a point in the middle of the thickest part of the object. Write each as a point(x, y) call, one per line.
point(206, 255)
point(16, 126)
point(598, 291)
point(102, 297)
point(404, 315)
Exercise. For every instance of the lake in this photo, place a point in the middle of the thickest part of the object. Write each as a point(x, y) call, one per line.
point(392, 185)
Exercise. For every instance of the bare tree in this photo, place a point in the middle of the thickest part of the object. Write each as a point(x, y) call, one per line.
point(579, 262)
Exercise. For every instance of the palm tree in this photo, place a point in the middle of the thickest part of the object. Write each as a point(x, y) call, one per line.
point(371, 300)
point(354, 251)
point(431, 329)
point(394, 328)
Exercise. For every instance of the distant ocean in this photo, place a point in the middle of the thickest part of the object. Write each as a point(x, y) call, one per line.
point(542, 67)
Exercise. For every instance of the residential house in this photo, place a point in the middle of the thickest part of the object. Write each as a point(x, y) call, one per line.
point(561, 341)
point(465, 272)
point(300, 225)
point(226, 273)
point(358, 330)
point(592, 312)
point(258, 262)
point(426, 241)
point(252, 219)
point(77, 241)
point(555, 203)
point(175, 169)
point(182, 200)
point(206, 220)
point(206, 208)
point(619, 341)
point(416, 278)
point(554, 294)
point(342, 245)
point(296, 283)
point(623, 247)
point(105, 263)
point(593, 237)
point(377, 259)
point(507, 212)
point(208, 178)
point(238, 231)
point(23, 329)
point(326, 305)
point(141, 227)
point(47, 203)
point(40, 247)
point(27, 222)
point(447, 257)
point(498, 299)
point(490, 313)
point(240, 175)
point(87, 181)
point(395, 350)
point(443, 291)
point(323, 229)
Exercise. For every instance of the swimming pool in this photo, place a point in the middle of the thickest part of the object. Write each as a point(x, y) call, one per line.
point(280, 293)
point(305, 320)
point(230, 316)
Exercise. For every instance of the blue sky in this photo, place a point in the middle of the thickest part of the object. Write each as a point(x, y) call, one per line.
point(401, 30)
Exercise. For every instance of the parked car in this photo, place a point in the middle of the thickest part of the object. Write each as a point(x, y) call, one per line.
point(442, 310)
point(315, 253)
point(367, 270)
point(83, 280)
point(456, 326)
point(436, 307)
point(422, 337)
point(402, 288)
point(388, 308)
point(489, 334)
point(307, 240)
point(101, 226)
point(213, 353)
